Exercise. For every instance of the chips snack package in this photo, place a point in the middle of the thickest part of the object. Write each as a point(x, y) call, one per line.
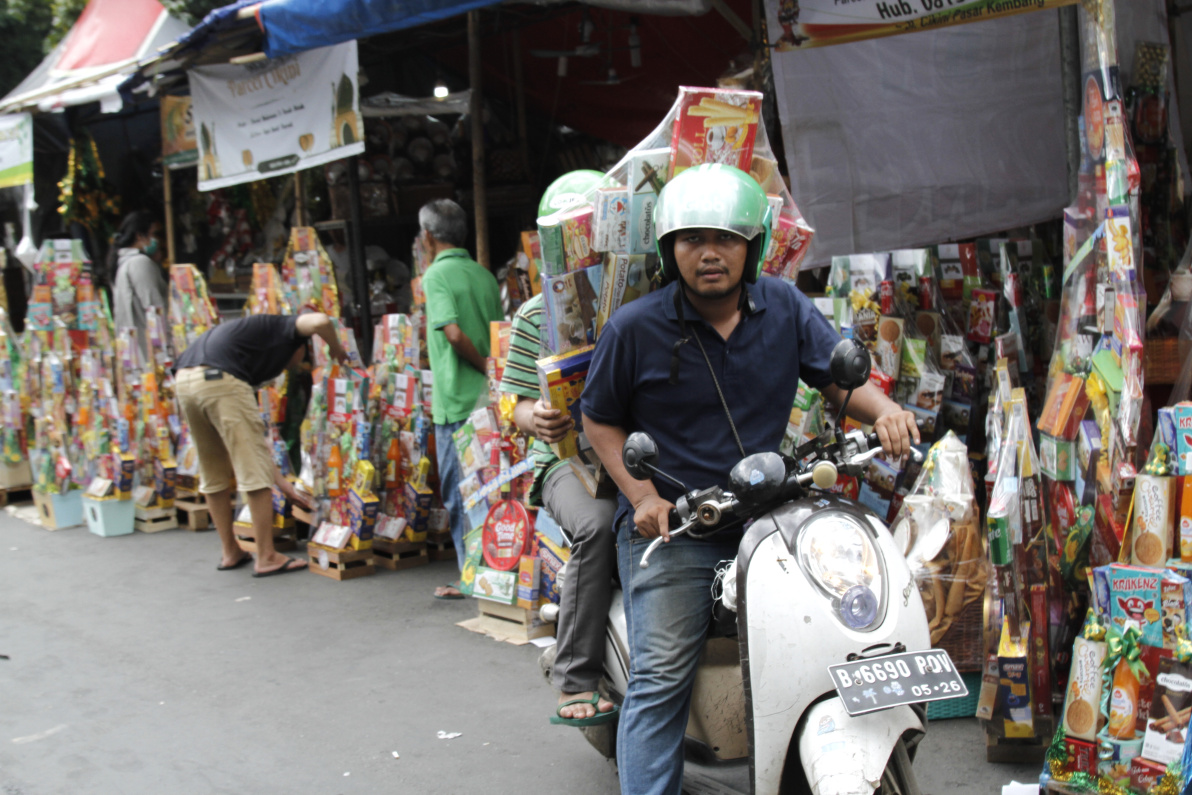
point(715, 126)
point(1082, 703)
point(1014, 716)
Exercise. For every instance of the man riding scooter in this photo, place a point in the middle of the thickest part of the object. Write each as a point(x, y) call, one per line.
point(587, 588)
point(708, 366)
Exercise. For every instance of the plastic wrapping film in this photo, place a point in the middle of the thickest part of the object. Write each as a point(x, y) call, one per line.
point(938, 529)
point(906, 141)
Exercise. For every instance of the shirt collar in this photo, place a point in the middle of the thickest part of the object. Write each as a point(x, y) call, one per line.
point(451, 252)
point(757, 302)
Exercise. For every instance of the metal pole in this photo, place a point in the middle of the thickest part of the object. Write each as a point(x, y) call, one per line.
point(475, 110)
point(519, 84)
point(168, 195)
point(356, 250)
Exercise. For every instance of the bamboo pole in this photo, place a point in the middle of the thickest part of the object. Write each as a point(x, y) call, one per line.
point(168, 195)
point(475, 110)
point(299, 200)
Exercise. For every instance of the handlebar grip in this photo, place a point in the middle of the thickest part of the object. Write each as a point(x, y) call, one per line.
point(873, 440)
point(673, 519)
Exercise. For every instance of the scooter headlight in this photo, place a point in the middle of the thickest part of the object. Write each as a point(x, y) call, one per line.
point(838, 554)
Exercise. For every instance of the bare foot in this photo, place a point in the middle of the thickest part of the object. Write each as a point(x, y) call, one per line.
point(580, 711)
point(277, 562)
point(234, 562)
point(448, 592)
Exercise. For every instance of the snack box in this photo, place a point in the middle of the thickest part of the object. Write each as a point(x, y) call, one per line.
point(529, 571)
point(1183, 437)
point(1057, 458)
point(1171, 705)
point(550, 243)
point(577, 238)
point(648, 170)
point(1115, 756)
point(164, 473)
point(1082, 756)
point(362, 515)
point(553, 557)
point(1082, 704)
point(417, 511)
point(128, 468)
point(982, 316)
point(1088, 444)
point(610, 230)
point(1135, 594)
point(1145, 774)
point(1154, 519)
point(715, 126)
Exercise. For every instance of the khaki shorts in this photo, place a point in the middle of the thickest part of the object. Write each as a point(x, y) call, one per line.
point(227, 431)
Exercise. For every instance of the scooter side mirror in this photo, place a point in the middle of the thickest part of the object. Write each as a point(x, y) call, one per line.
point(639, 454)
point(757, 479)
point(849, 365)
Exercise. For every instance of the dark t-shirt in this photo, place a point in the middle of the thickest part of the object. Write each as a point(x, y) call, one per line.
point(782, 339)
point(254, 349)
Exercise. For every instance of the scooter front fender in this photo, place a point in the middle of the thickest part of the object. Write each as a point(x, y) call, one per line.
point(843, 755)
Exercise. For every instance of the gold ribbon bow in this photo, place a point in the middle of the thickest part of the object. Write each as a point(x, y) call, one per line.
point(1125, 645)
point(863, 299)
point(1183, 646)
point(1093, 630)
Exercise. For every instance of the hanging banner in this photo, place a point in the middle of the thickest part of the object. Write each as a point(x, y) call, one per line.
point(817, 23)
point(16, 150)
point(178, 145)
point(276, 116)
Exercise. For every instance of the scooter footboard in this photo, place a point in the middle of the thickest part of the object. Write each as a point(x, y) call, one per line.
point(843, 755)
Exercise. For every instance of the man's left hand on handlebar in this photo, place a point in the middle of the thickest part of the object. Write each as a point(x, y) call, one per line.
point(898, 431)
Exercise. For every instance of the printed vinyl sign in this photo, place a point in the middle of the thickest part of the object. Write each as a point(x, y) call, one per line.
point(178, 145)
point(276, 116)
point(816, 23)
point(16, 150)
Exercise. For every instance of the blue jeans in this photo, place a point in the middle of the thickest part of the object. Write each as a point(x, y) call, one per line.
point(668, 608)
point(450, 475)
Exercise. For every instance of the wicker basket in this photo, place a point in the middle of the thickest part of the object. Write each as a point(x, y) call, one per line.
point(1161, 361)
point(965, 707)
point(963, 640)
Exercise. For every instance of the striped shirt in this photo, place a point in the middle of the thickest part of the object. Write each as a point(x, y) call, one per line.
point(521, 379)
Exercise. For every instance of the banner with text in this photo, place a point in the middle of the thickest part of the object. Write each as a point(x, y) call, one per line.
point(276, 116)
point(16, 150)
point(816, 23)
point(178, 145)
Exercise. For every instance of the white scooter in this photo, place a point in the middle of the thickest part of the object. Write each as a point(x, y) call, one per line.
point(818, 686)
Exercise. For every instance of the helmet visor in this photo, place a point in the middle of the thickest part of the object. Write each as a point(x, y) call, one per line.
point(727, 204)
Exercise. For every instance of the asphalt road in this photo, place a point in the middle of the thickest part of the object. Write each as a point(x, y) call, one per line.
point(135, 667)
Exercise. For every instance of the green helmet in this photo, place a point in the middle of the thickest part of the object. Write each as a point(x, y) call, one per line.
point(714, 196)
point(569, 189)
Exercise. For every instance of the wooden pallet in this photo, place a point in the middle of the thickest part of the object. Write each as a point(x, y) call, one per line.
point(343, 564)
point(439, 546)
point(398, 555)
point(155, 520)
point(15, 494)
point(284, 538)
point(1001, 750)
point(510, 622)
point(193, 515)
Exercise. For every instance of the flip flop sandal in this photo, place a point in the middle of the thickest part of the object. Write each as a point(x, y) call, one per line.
point(238, 564)
point(454, 585)
point(286, 568)
point(598, 719)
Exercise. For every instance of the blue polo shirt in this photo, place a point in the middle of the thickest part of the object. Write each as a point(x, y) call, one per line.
point(781, 338)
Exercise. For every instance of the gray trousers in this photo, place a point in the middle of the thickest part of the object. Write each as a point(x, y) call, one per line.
point(587, 588)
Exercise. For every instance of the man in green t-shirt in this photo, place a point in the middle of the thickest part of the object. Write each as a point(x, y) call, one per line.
point(462, 298)
point(587, 588)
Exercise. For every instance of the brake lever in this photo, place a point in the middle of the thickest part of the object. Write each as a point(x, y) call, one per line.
point(657, 542)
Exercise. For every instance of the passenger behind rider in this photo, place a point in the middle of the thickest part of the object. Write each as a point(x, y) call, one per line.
point(587, 587)
point(708, 365)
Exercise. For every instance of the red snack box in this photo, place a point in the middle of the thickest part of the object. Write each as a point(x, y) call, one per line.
point(1082, 756)
point(715, 126)
point(1040, 657)
point(1150, 656)
point(882, 381)
point(1145, 774)
point(982, 316)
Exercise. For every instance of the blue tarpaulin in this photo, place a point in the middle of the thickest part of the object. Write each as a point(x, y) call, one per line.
point(296, 25)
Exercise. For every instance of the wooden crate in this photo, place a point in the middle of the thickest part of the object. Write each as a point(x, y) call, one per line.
point(15, 494)
point(342, 564)
point(1002, 750)
point(511, 622)
point(154, 520)
point(194, 515)
point(398, 555)
point(439, 546)
point(284, 538)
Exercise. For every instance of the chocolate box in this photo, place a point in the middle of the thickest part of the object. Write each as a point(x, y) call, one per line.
point(647, 175)
point(1171, 705)
point(164, 472)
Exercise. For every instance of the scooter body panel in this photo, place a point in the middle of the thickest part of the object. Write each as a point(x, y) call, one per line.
point(843, 755)
point(790, 632)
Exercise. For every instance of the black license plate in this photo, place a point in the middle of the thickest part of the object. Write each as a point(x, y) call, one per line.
point(909, 677)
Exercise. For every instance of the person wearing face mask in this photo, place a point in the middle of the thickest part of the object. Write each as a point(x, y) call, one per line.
point(139, 282)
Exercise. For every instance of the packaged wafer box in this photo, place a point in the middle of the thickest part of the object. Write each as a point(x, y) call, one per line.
point(715, 126)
